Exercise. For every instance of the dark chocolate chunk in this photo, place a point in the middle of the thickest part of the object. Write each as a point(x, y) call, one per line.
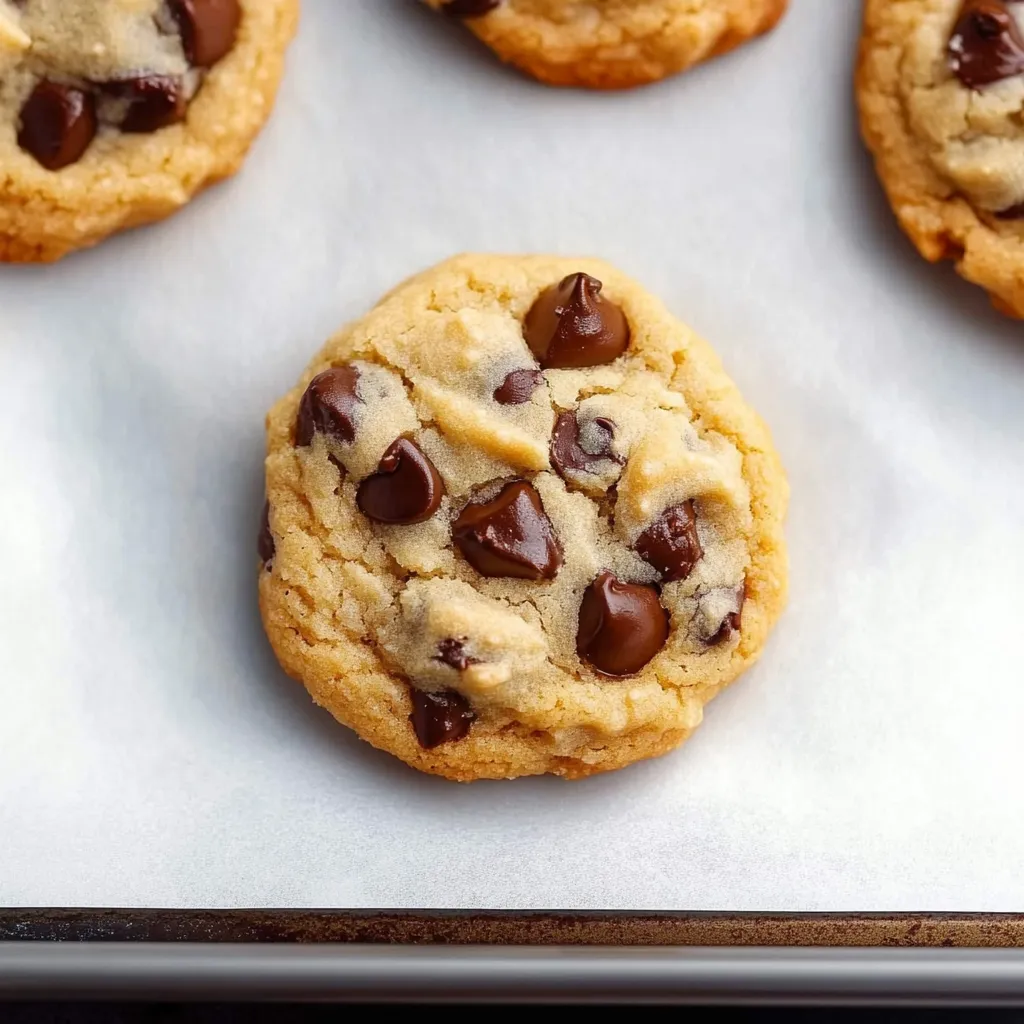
point(518, 387)
point(469, 8)
point(572, 325)
point(567, 452)
point(441, 717)
point(265, 540)
point(57, 124)
point(1014, 212)
point(509, 536)
point(671, 543)
point(986, 45)
point(154, 101)
point(452, 652)
point(405, 489)
point(621, 626)
point(731, 623)
point(328, 406)
point(208, 28)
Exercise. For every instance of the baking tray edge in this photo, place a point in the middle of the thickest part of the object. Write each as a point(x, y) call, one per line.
point(512, 928)
point(596, 974)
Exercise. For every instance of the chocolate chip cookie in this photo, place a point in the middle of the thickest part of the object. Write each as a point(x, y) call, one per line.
point(519, 521)
point(940, 85)
point(114, 113)
point(611, 44)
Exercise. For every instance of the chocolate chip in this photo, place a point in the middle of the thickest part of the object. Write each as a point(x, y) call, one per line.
point(518, 386)
point(328, 406)
point(509, 536)
point(986, 45)
point(208, 28)
point(452, 652)
point(671, 543)
point(469, 8)
point(441, 717)
point(57, 124)
point(154, 101)
point(567, 452)
point(621, 626)
point(405, 489)
point(571, 325)
point(1014, 212)
point(731, 623)
point(265, 541)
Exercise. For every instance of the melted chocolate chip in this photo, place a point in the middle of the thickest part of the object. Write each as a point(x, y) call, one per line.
point(671, 543)
point(986, 45)
point(1012, 212)
point(440, 717)
point(518, 387)
point(731, 623)
point(208, 28)
point(265, 541)
point(568, 453)
point(154, 101)
point(328, 406)
point(469, 8)
point(452, 652)
point(571, 325)
point(57, 124)
point(405, 489)
point(621, 626)
point(509, 536)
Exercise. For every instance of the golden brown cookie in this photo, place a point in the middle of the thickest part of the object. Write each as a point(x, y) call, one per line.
point(940, 85)
point(114, 113)
point(519, 521)
point(611, 44)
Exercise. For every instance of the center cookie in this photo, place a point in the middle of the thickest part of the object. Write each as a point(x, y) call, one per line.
point(519, 521)
point(611, 44)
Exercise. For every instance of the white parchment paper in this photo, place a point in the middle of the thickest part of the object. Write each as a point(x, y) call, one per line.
point(151, 751)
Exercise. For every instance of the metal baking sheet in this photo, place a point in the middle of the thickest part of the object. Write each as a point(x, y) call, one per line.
point(151, 752)
point(510, 956)
point(404, 973)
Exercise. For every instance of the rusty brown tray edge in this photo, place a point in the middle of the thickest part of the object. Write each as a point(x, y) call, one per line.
point(513, 928)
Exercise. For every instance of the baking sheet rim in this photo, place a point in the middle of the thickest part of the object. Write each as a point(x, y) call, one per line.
point(515, 928)
point(403, 973)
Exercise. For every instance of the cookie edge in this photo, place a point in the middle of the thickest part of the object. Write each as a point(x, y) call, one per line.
point(53, 230)
point(608, 75)
point(940, 228)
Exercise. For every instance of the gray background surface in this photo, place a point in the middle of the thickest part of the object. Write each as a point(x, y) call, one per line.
point(152, 753)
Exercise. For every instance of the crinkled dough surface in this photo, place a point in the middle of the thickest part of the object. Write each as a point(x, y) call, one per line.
point(950, 157)
point(356, 610)
point(609, 44)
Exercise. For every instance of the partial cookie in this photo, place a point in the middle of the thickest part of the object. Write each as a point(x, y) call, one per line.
point(519, 521)
point(940, 85)
point(114, 113)
point(611, 44)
